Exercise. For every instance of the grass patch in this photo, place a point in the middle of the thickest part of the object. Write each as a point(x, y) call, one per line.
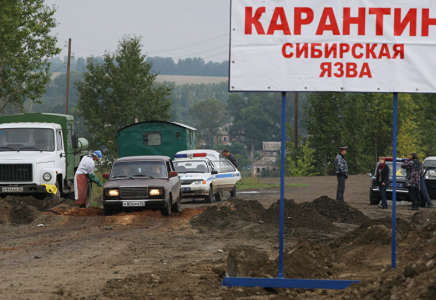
point(247, 183)
point(97, 192)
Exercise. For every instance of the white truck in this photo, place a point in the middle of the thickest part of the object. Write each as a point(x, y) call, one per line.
point(39, 151)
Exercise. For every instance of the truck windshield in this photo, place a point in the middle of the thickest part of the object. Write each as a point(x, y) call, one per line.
point(27, 139)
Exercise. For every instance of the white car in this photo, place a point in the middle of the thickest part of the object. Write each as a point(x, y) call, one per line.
point(429, 167)
point(204, 177)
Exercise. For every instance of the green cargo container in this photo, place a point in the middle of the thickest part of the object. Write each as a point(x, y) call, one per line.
point(155, 138)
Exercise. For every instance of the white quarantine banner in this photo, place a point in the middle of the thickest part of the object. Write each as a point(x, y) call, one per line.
point(333, 45)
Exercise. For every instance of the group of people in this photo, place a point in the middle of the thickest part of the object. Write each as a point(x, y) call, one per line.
point(414, 179)
point(86, 171)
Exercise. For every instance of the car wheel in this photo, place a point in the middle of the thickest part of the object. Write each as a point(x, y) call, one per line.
point(218, 197)
point(374, 199)
point(166, 211)
point(176, 206)
point(108, 211)
point(209, 197)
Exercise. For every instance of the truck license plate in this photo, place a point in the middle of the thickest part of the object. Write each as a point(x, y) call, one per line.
point(134, 203)
point(16, 189)
point(185, 189)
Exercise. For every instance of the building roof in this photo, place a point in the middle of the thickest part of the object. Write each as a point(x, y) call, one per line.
point(173, 123)
point(266, 161)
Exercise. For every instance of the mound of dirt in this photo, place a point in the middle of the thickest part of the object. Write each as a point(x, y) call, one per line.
point(225, 215)
point(304, 260)
point(374, 232)
point(423, 218)
point(23, 214)
point(245, 261)
point(297, 216)
point(337, 211)
point(415, 281)
point(84, 212)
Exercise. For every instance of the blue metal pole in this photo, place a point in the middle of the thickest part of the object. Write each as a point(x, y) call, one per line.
point(282, 186)
point(394, 186)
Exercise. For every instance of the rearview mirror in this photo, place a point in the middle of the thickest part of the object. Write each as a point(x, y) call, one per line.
point(214, 172)
point(106, 175)
point(173, 174)
point(369, 174)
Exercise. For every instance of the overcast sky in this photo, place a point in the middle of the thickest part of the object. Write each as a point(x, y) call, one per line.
point(169, 28)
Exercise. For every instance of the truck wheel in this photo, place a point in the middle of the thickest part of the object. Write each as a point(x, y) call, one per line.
point(55, 197)
point(88, 194)
point(176, 206)
point(108, 211)
point(166, 211)
point(374, 199)
point(209, 197)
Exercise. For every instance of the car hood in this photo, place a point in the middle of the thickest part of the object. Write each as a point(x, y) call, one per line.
point(135, 182)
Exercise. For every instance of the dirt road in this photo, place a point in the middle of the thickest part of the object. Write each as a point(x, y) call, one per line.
point(72, 253)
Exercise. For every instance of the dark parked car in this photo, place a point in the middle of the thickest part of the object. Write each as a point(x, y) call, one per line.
point(142, 182)
point(429, 167)
point(402, 192)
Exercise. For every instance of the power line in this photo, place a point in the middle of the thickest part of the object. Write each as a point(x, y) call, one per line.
point(216, 54)
point(88, 50)
point(201, 52)
point(190, 45)
point(161, 50)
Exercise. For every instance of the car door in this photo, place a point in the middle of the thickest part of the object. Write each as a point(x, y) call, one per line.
point(60, 152)
point(174, 181)
point(227, 175)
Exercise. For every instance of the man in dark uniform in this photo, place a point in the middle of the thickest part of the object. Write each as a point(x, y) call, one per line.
point(341, 169)
point(413, 176)
point(234, 161)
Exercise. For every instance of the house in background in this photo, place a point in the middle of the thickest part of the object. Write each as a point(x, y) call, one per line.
point(268, 161)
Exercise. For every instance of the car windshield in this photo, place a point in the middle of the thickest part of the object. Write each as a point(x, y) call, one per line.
point(191, 166)
point(429, 163)
point(224, 166)
point(139, 169)
point(399, 172)
point(27, 139)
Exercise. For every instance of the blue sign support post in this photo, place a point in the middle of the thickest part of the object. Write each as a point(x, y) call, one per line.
point(282, 186)
point(281, 281)
point(394, 184)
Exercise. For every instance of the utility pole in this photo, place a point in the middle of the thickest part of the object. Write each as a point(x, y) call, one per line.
point(68, 76)
point(296, 121)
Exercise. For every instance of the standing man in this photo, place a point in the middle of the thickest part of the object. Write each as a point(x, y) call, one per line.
point(234, 161)
point(413, 176)
point(84, 171)
point(382, 177)
point(341, 169)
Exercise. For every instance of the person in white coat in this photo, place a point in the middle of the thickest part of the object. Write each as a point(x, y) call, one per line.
point(84, 171)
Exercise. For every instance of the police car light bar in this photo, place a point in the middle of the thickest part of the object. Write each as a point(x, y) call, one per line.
point(391, 159)
point(186, 155)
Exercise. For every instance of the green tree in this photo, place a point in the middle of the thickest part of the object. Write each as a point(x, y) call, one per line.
point(426, 121)
point(209, 116)
point(257, 117)
point(112, 94)
point(300, 161)
point(25, 47)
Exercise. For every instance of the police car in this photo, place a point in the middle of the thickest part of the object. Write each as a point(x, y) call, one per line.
point(401, 189)
point(204, 174)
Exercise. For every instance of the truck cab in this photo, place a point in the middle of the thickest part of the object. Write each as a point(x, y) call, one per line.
point(38, 151)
